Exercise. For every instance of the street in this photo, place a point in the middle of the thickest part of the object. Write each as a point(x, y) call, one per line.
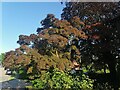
point(6, 82)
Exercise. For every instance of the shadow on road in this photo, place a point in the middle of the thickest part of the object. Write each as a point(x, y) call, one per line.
point(15, 84)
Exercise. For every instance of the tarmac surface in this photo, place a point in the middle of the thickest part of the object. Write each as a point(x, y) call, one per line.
point(9, 83)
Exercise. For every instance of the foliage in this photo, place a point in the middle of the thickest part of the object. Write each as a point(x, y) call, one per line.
point(101, 25)
point(91, 12)
point(33, 63)
point(2, 56)
point(46, 49)
point(85, 33)
point(59, 79)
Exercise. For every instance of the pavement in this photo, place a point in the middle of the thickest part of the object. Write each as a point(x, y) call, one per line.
point(3, 76)
point(7, 83)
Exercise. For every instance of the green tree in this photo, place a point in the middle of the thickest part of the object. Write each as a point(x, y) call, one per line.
point(2, 57)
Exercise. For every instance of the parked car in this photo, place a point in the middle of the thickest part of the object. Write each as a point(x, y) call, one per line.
point(8, 72)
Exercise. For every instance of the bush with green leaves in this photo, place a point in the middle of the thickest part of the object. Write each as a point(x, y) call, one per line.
point(2, 56)
point(55, 78)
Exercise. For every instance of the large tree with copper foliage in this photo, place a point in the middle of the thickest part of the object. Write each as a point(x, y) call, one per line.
point(102, 24)
point(47, 48)
point(86, 36)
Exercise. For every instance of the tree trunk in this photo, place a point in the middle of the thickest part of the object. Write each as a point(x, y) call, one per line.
point(111, 61)
point(113, 73)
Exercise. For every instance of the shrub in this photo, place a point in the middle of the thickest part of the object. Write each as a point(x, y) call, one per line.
point(62, 80)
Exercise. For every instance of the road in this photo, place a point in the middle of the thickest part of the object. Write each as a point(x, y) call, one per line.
point(6, 83)
point(3, 76)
